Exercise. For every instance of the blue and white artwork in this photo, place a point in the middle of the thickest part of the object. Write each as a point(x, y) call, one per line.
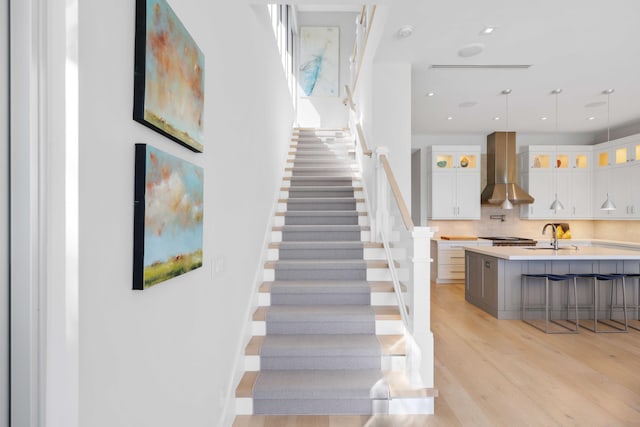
point(320, 61)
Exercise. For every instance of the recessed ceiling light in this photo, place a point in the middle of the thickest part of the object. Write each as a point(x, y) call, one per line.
point(405, 31)
point(506, 91)
point(543, 118)
point(467, 104)
point(471, 49)
point(496, 118)
point(487, 30)
point(556, 92)
point(591, 118)
point(608, 91)
point(430, 94)
point(595, 104)
point(450, 118)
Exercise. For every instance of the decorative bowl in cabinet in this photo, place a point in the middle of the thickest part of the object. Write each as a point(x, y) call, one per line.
point(464, 162)
point(442, 163)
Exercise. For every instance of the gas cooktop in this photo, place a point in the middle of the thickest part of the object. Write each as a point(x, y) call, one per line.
point(510, 241)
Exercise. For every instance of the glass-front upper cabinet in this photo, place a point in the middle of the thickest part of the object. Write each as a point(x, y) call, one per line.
point(618, 152)
point(557, 157)
point(451, 157)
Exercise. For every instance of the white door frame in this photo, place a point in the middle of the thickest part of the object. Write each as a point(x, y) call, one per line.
point(44, 210)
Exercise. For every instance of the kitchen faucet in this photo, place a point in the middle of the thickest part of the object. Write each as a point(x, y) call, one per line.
point(555, 234)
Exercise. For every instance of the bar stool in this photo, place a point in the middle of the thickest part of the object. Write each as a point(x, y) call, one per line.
point(636, 305)
point(613, 278)
point(549, 279)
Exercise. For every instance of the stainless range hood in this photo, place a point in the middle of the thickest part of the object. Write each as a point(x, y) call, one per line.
point(501, 171)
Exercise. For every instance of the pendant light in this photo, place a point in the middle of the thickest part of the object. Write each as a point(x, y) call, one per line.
point(556, 205)
point(608, 205)
point(507, 205)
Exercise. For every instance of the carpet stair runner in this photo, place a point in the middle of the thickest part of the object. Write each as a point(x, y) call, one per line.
point(327, 336)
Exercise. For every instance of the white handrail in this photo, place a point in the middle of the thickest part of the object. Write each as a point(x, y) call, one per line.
point(359, 52)
point(397, 195)
point(354, 117)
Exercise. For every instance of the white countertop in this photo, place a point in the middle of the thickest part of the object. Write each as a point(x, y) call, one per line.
point(566, 253)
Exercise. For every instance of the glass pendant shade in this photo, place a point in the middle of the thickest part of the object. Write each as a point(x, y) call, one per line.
point(507, 205)
point(608, 205)
point(556, 205)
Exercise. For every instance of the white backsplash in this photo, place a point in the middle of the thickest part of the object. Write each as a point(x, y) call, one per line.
point(514, 226)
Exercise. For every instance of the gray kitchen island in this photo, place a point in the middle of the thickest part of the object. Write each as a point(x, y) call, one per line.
point(493, 274)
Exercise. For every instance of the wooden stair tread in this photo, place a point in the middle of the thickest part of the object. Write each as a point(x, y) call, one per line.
point(399, 387)
point(245, 387)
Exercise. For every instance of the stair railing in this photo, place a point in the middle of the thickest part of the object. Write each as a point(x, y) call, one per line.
point(406, 246)
point(407, 250)
point(363, 28)
point(355, 121)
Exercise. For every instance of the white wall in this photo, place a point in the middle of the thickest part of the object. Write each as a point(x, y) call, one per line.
point(328, 111)
point(4, 214)
point(166, 356)
point(392, 120)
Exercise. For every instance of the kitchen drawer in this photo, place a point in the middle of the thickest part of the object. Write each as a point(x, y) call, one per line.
point(451, 256)
point(451, 272)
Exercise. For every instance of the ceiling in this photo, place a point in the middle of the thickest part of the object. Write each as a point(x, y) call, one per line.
point(580, 46)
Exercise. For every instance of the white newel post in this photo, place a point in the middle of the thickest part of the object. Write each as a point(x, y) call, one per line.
point(382, 197)
point(422, 302)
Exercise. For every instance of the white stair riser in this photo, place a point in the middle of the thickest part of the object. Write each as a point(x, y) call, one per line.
point(374, 254)
point(383, 327)
point(373, 274)
point(244, 406)
point(385, 298)
point(378, 274)
point(377, 298)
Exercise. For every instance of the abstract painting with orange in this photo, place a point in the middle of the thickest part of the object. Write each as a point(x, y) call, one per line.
point(169, 75)
point(167, 217)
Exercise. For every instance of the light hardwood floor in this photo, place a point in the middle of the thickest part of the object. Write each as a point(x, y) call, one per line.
point(493, 372)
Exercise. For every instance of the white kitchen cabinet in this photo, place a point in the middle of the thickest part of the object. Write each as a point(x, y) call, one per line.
point(565, 171)
point(617, 169)
point(448, 259)
point(618, 183)
point(453, 191)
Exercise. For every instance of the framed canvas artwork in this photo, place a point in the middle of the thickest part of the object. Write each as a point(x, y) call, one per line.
point(169, 75)
point(319, 72)
point(167, 217)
